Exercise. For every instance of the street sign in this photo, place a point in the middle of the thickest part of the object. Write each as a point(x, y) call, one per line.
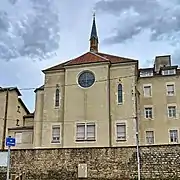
point(10, 141)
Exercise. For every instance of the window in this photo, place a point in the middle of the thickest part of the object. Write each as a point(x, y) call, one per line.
point(169, 72)
point(147, 91)
point(86, 79)
point(80, 132)
point(120, 94)
point(17, 122)
point(57, 96)
point(170, 89)
point(148, 112)
point(55, 134)
point(85, 132)
point(121, 131)
point(173, 136)
point(171, 111)
point(150, 137)
point(146, 73)
point(18, 137)
point(18, 109)
point(90, 132)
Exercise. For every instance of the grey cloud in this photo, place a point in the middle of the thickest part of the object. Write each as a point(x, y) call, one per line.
point(161, 17)
point(34, 33)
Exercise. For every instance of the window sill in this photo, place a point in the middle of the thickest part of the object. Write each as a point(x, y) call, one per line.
point(170, 95)
point(85, 140)
point(150, 119)
point(120, 103)
point(172, 118)
point(55, 142)
point(121, 140)
point(147, 96)
point(57, 107)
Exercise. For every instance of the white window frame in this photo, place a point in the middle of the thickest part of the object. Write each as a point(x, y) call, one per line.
point(147, 85)
point(168, 92)
point(169, 72)
point(56, 141)
point(86, 139)
point(173, 129)
point(124, 124)
point(148, 106)
point(146, 73)
point(149, 130)
point(172, 105)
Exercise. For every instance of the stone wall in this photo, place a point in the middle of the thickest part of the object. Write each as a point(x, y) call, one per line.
point(157, 162)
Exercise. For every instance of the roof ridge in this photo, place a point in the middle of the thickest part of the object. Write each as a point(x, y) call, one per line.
point(116, 56)
point(99, 55)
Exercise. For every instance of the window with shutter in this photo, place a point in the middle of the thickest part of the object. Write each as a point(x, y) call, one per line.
point(85, 132)
point(55, 134)
point(150, 137)
point(90, 131)
point(121, 131)
point(80, 131)
point(170, 89)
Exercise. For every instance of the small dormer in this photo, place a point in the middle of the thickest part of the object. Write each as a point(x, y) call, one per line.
point(147, 72)
point(168, 70)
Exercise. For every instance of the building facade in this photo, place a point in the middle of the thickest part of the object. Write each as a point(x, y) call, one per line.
point(159, 114)
point(103, 100)
point(14, 118)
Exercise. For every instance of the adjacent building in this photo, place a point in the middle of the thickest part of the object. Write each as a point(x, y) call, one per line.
point(159, 102)
point(14, 118)
point(101, 100)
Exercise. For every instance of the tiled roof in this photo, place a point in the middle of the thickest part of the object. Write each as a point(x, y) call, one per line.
point(116, 59)
point(91, 57)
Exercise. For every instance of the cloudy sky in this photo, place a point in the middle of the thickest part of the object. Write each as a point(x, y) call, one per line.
point(36, 34)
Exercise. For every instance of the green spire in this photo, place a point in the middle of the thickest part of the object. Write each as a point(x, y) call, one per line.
point(94, 31)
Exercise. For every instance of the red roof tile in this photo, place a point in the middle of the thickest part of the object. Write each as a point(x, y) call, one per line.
point(87, 58)
point(91, 57)
point(116, 59)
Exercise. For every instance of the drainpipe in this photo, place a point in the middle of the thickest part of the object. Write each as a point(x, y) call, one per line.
point(137, 131)
point(109, 106)
point(5, 120)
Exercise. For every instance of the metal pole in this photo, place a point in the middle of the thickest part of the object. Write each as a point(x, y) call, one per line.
point(8, 162)
point(137, 149)
point(137, 131)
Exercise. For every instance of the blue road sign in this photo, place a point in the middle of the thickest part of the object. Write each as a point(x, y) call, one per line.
point(10, 141)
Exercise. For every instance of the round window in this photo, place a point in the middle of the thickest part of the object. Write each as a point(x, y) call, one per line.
point(86, 79)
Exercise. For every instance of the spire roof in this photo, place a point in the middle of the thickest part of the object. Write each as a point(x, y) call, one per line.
point(94, 30)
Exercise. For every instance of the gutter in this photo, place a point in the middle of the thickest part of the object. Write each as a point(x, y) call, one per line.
point(109, 107)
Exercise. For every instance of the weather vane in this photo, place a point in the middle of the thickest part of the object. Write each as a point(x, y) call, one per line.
point(94, 12)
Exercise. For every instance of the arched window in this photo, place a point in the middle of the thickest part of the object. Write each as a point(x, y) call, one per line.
point(120, 94)
point(57, 97)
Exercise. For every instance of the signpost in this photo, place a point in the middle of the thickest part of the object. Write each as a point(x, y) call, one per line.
point(9, 142)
